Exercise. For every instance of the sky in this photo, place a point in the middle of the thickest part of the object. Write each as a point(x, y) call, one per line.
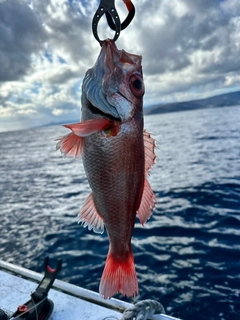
point(190, 50)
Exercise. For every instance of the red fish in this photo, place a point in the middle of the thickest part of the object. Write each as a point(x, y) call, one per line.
point(117, 155)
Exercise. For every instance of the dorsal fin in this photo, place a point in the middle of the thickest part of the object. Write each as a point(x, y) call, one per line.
point(149, 146)
point(147, 203)
point(148, 197)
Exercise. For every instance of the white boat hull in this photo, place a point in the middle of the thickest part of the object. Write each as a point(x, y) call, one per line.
point(72, 302)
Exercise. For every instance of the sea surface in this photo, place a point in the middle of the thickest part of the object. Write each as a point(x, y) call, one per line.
point(188, 254)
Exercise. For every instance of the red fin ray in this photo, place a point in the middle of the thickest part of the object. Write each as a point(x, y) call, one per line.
point(149, 199)
point(89, 216)
point(119, 276)
point(85, 128)
point(70, 145)
point(149, 146)
point(147, 203)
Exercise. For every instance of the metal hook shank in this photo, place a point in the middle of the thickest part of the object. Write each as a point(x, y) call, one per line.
point(106, 6)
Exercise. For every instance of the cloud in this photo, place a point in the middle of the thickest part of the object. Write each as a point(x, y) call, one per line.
point(190, 50)
point(21, 35)
point(68, 25)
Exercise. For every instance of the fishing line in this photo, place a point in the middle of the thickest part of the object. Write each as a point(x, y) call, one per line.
point(35, 305)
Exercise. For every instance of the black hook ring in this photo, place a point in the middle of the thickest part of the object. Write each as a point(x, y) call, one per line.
point(125, 23)
point(113, 16)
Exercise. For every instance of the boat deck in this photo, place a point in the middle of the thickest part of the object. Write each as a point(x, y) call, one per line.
point(72, 302)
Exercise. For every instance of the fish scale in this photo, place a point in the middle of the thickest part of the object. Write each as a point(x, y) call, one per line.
point(106, 174)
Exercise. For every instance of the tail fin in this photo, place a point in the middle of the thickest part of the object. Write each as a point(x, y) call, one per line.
point(119, 276)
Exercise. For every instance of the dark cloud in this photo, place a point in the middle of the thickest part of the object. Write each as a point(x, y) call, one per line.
point(69, 28)
point(64, 75)
point(168, 46)
point(21, 35)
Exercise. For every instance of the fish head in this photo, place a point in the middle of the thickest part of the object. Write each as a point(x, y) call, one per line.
point(115, 83)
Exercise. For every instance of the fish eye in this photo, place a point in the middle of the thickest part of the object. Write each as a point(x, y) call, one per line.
point(137, 86)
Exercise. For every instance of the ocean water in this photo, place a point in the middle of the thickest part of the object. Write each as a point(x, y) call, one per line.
point(188, 254)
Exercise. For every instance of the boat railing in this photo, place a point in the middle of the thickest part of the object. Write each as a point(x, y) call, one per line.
point(76, 291)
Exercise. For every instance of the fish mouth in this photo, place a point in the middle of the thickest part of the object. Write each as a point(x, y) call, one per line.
point(106, 85)
point(101, 113)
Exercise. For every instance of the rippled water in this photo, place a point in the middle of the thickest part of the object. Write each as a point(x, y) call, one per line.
point(188, 254)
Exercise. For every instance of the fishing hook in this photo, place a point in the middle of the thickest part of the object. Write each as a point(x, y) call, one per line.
point(107, 7)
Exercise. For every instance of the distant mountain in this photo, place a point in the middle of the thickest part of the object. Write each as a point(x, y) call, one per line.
point(223, 100)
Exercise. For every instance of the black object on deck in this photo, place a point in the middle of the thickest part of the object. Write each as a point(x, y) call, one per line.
point(39, 307)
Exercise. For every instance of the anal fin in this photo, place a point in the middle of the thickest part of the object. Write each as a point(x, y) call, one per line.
point(89, 217)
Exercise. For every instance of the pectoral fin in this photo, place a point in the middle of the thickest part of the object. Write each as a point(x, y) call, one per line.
point(71, 145)
point(85, 128)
